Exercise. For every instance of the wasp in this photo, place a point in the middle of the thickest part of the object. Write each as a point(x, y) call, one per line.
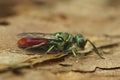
point(59, 41)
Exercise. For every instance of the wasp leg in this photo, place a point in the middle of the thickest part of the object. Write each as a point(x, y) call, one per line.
point(35, 46)
point(50, 49)
point(74, 52)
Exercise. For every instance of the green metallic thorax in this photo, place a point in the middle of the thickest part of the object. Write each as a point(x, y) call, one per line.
point(66, 40)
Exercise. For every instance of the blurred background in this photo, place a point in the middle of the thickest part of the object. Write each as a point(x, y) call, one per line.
point(89, 16)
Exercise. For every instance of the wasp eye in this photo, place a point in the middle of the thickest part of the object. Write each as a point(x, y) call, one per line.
point(82, 44)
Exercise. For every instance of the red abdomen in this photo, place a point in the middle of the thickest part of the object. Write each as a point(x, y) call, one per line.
point(25, 42)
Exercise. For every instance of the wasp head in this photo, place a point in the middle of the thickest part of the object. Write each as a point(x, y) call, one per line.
point(80, 41)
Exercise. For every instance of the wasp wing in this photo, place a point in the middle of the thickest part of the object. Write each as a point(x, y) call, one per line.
point(37, 35)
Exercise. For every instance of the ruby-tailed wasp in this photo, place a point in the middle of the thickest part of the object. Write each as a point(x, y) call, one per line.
point(59, 41)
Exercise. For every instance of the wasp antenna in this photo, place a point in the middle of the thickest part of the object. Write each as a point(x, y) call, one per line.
point(95, 49)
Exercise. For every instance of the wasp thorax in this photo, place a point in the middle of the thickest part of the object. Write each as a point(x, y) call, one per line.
point(63, 36)
point(65, 40)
